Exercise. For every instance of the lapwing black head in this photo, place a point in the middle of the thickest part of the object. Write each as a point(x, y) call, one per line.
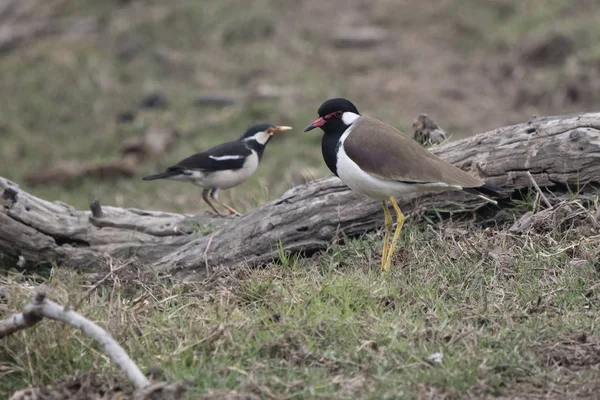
point(377, 160)
point(335, 115)
point(223, 166)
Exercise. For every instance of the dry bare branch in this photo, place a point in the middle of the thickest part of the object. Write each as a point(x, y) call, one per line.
point(19, 321)
point(41, 307)
point(542, 195)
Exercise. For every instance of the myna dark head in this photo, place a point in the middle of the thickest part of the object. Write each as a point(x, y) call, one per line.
point(335, 115)
point(262, 133)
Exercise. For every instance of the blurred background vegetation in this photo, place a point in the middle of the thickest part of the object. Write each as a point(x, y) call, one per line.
point(96, 94)
point(81, 78)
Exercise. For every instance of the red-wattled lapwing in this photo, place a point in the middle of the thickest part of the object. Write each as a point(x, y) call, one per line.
point(224, 166)
point(377, 160)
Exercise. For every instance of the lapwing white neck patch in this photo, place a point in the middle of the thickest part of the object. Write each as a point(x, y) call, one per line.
point(349, 117)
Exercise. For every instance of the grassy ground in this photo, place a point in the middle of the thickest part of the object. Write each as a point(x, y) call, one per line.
point(513, 316)
point(507, 315)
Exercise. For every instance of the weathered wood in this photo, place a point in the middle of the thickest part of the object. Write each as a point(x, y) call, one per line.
point(41, 231)
point(557, 151)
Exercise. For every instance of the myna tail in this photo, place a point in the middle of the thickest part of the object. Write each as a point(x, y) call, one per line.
point(485, 191)
point(162, 175)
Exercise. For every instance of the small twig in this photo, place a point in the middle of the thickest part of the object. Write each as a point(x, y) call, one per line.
point(10, 194)
point(95, 285)
point(41, 307)
point(96, 209)
point(95, 206)
point(535, 185)
point(4, 294)
point(560, 251)
point(205, 255)
point(19, 321)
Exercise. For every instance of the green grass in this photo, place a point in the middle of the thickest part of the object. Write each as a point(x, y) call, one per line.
point(507, 312)
point(497, 307)
point(511, 23)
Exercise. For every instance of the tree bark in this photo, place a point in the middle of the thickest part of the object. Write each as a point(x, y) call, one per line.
point(560, 153)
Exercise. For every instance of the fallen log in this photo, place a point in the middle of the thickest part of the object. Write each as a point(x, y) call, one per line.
point(560, 153)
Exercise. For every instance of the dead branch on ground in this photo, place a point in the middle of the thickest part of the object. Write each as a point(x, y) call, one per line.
point(41, 307)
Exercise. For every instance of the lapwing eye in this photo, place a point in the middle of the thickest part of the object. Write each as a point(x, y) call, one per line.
point(338, 114)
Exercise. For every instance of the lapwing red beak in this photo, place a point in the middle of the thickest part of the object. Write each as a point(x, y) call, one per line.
point(318, 123)
point(277, 129)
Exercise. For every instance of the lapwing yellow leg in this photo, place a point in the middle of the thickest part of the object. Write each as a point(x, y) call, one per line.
point(399, 223)
point(388, 228)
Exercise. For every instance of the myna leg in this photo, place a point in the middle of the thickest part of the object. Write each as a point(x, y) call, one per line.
point(399, 222)
point(388, 227)
point(213, 195)
point(205, 193)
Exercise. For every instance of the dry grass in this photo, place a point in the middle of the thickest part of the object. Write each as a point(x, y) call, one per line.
point(514, 315)
point(510, 314)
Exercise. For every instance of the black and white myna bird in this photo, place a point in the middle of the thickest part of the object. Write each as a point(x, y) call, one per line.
point(377, 160)
point(224, 166)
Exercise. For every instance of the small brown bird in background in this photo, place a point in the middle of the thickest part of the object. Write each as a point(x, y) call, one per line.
point(427, 132)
